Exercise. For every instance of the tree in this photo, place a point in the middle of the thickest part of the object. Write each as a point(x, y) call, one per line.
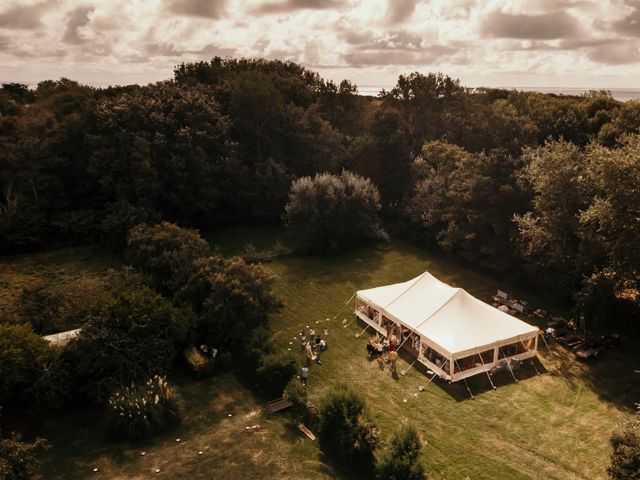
point(24, 357)
point(549, 231)
point(131, 335)
point(345, 431)
point(401, 459)
point(231, 298)
point(625, 455)
point(611, 222)
point(331, 213)
point(166, 253)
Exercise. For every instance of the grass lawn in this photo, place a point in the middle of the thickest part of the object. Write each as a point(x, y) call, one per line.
point(552, 426)
point(77, 273)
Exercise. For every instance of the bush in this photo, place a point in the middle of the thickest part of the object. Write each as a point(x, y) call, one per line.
point(345, 431)
point(275, 371)
point(296, 392)
point(200, 365)
point(141, 411)
point(41, 308)
point(231, 297)
point(130, 335)
point(19, 460)
point(331, 213)
point(625, 455)
point(24, 357)
point(401, 460)
point(165, 252)
point(120, 217)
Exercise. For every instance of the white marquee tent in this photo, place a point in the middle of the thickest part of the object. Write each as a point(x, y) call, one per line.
point(447, 329)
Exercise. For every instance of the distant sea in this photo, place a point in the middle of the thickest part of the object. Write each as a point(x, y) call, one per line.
point(621, 94)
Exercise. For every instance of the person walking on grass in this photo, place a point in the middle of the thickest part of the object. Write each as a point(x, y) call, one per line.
point(304, 374)
point(393, 358)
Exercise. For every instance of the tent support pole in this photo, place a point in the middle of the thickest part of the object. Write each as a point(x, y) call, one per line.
point(486, 371)
point(511, 370)
point(468, 389)
point(365, 329)
point(465, 381)
point(347, 303)
point(405, 372)
point(547, 345)
point(432, 377)
point(533, 365)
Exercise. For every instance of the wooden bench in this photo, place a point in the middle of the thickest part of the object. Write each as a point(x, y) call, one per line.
point(279, 404)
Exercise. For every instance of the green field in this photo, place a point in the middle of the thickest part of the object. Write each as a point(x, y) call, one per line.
point(553, 426)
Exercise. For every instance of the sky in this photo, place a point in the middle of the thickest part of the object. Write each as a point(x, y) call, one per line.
point(524, 43)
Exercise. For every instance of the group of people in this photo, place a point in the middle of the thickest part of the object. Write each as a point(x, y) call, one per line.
point(384, 350)
point(314, 345)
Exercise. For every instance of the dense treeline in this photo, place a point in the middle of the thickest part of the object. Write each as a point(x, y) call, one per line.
point(511, 181)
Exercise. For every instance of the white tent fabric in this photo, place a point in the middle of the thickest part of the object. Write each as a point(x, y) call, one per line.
point(453, 321)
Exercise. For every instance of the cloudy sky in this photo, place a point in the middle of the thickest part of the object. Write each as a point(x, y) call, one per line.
point(540, 43)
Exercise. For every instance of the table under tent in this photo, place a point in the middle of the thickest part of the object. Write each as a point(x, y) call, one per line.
point(450, 331)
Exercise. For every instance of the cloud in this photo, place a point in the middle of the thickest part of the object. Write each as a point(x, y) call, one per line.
point(424, 56)
point(198, 8)
point(622, 53)
point(629, 25)
point(545, 26)
point(293, 5)
point(25, 17)
point(400, 10)
point(76, 19)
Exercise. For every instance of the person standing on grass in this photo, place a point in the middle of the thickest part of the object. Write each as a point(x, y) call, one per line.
point(318, 350)
point(304, 374)
point(393, 358)
point(312, 334)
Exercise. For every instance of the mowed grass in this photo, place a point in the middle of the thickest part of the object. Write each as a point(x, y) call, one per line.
point(555, 425)
point(76, 273)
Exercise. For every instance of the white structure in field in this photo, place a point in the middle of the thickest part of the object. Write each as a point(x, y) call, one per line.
point(447, 329)
point(62, 338)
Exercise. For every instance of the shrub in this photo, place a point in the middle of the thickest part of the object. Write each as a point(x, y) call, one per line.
point(401, 459)
point(296, 392)
point(19, 460)
point(275, 371)
point(120, 217)
point(24, 357)
point(331, 213)
point(625, 455)
point(165, 252)
point(200, 365)
point(130, 335)
point(140, 411)
point(345, 431)
point(40, 308)
point(231, 297)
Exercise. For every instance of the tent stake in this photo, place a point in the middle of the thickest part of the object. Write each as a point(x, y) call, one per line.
point(511, 370)
point(534, 365)
point(365, 328)
point(405, 372)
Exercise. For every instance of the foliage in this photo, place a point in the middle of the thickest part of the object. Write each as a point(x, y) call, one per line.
point(198, 363)
point(166, 253)
point(40, 307)
point(597, 301)
point(275, 371)
point(331, 213)
point(401, 459)
point(549, 230)
point(625, 455)
point(345, 431)
point(18, 459)
point(24, 357)
point(231, 298)
point(130, 335)
point(120, 217)
point(140, 411)
point(296, 392)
